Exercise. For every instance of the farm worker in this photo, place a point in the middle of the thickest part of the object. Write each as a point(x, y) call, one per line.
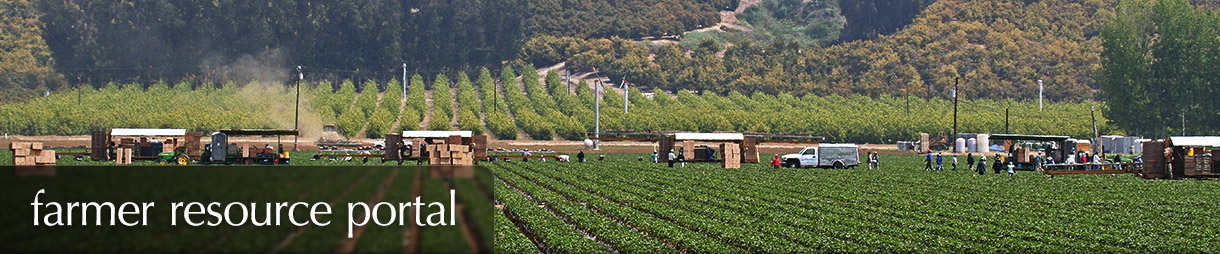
point(1038, 162)
point(877, 159)
point(671, 158)
point(872, 160)
point(423, 154)
point(939, 166)
point(283, 154)
point(982, 167)
point(927, 162)
point(1011, 168)
point(775, 162)
point(998, 165)
point(970, 161)
point(153, 140)
point(954, 162)
point(580, 157)
point(682, 157)
point(1097, 159)
point(711, 154)
point(654, 156)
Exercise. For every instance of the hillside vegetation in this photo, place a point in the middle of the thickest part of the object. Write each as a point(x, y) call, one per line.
point(998, 50)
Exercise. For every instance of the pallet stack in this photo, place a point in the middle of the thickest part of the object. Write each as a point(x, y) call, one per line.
point(688, 149)
point(31, 153)
point(732, 155)
point(123, 154)
point(450, 154)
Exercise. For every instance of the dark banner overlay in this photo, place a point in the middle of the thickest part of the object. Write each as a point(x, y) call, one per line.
point(245, 209)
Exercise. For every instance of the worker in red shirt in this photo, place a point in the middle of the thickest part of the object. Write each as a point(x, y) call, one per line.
point(775, 162)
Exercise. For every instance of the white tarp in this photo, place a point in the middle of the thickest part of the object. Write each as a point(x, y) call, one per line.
point(148, 132)
point(709, 136)
point(1199, 141)
point(435, 134)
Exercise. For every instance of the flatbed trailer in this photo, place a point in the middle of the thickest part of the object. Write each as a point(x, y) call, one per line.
point(219, 151)
point(1092, 168)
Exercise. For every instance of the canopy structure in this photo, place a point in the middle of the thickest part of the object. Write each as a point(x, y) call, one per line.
point(1027, 137)
point(1195, 141)
point(147, 132)
point(259, 132)
point(709, 136)
point(436, 134)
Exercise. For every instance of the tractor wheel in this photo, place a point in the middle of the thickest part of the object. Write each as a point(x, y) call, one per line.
point(183, 159)
point(162, 162)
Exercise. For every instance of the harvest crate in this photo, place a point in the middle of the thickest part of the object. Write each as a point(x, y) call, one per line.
point(1154, 159)
point(29, 154)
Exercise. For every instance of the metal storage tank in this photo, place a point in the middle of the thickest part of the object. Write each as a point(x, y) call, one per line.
point(959, 145)
point(972, 145)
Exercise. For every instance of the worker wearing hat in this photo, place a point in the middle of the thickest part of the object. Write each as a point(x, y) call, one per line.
point(672, 158)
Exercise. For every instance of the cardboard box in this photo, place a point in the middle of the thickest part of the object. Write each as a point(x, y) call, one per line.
point(21, 152)
point(23, 161)
point(36, 145)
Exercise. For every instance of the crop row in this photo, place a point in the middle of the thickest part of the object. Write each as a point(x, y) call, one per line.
point(898, 209)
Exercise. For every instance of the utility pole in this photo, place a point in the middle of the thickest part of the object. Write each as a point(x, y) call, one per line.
point(597, 114)
point(1183, 123)
point(296, 123)
point(1094, 117)
point(568, 81)
point(78, 90)
point(404, 81)
point(626, 92)
point(1006, 120)
point(954, 95)
point(1039, 95)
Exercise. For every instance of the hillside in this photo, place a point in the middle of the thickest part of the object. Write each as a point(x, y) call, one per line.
point(998, 49)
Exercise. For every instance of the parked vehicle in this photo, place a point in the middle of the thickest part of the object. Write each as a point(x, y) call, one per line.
point(824, 156)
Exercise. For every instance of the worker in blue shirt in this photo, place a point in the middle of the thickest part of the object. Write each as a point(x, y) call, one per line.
point(1038, 161)
point(928, 162)
point(939, 165)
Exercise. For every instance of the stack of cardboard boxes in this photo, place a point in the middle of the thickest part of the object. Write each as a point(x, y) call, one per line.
point(31, 153)
point(123, 154)
point(449, 154)
point(688, 149)
point(732, 155)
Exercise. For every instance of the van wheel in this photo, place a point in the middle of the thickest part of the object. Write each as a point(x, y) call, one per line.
point(838, 165)
point(794, 163)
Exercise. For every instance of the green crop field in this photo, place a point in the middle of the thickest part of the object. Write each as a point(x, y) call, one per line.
point(541, 110)
point(627, 206)
point(636, 207)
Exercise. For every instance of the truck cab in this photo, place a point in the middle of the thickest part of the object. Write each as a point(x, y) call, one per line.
point(824, 156)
